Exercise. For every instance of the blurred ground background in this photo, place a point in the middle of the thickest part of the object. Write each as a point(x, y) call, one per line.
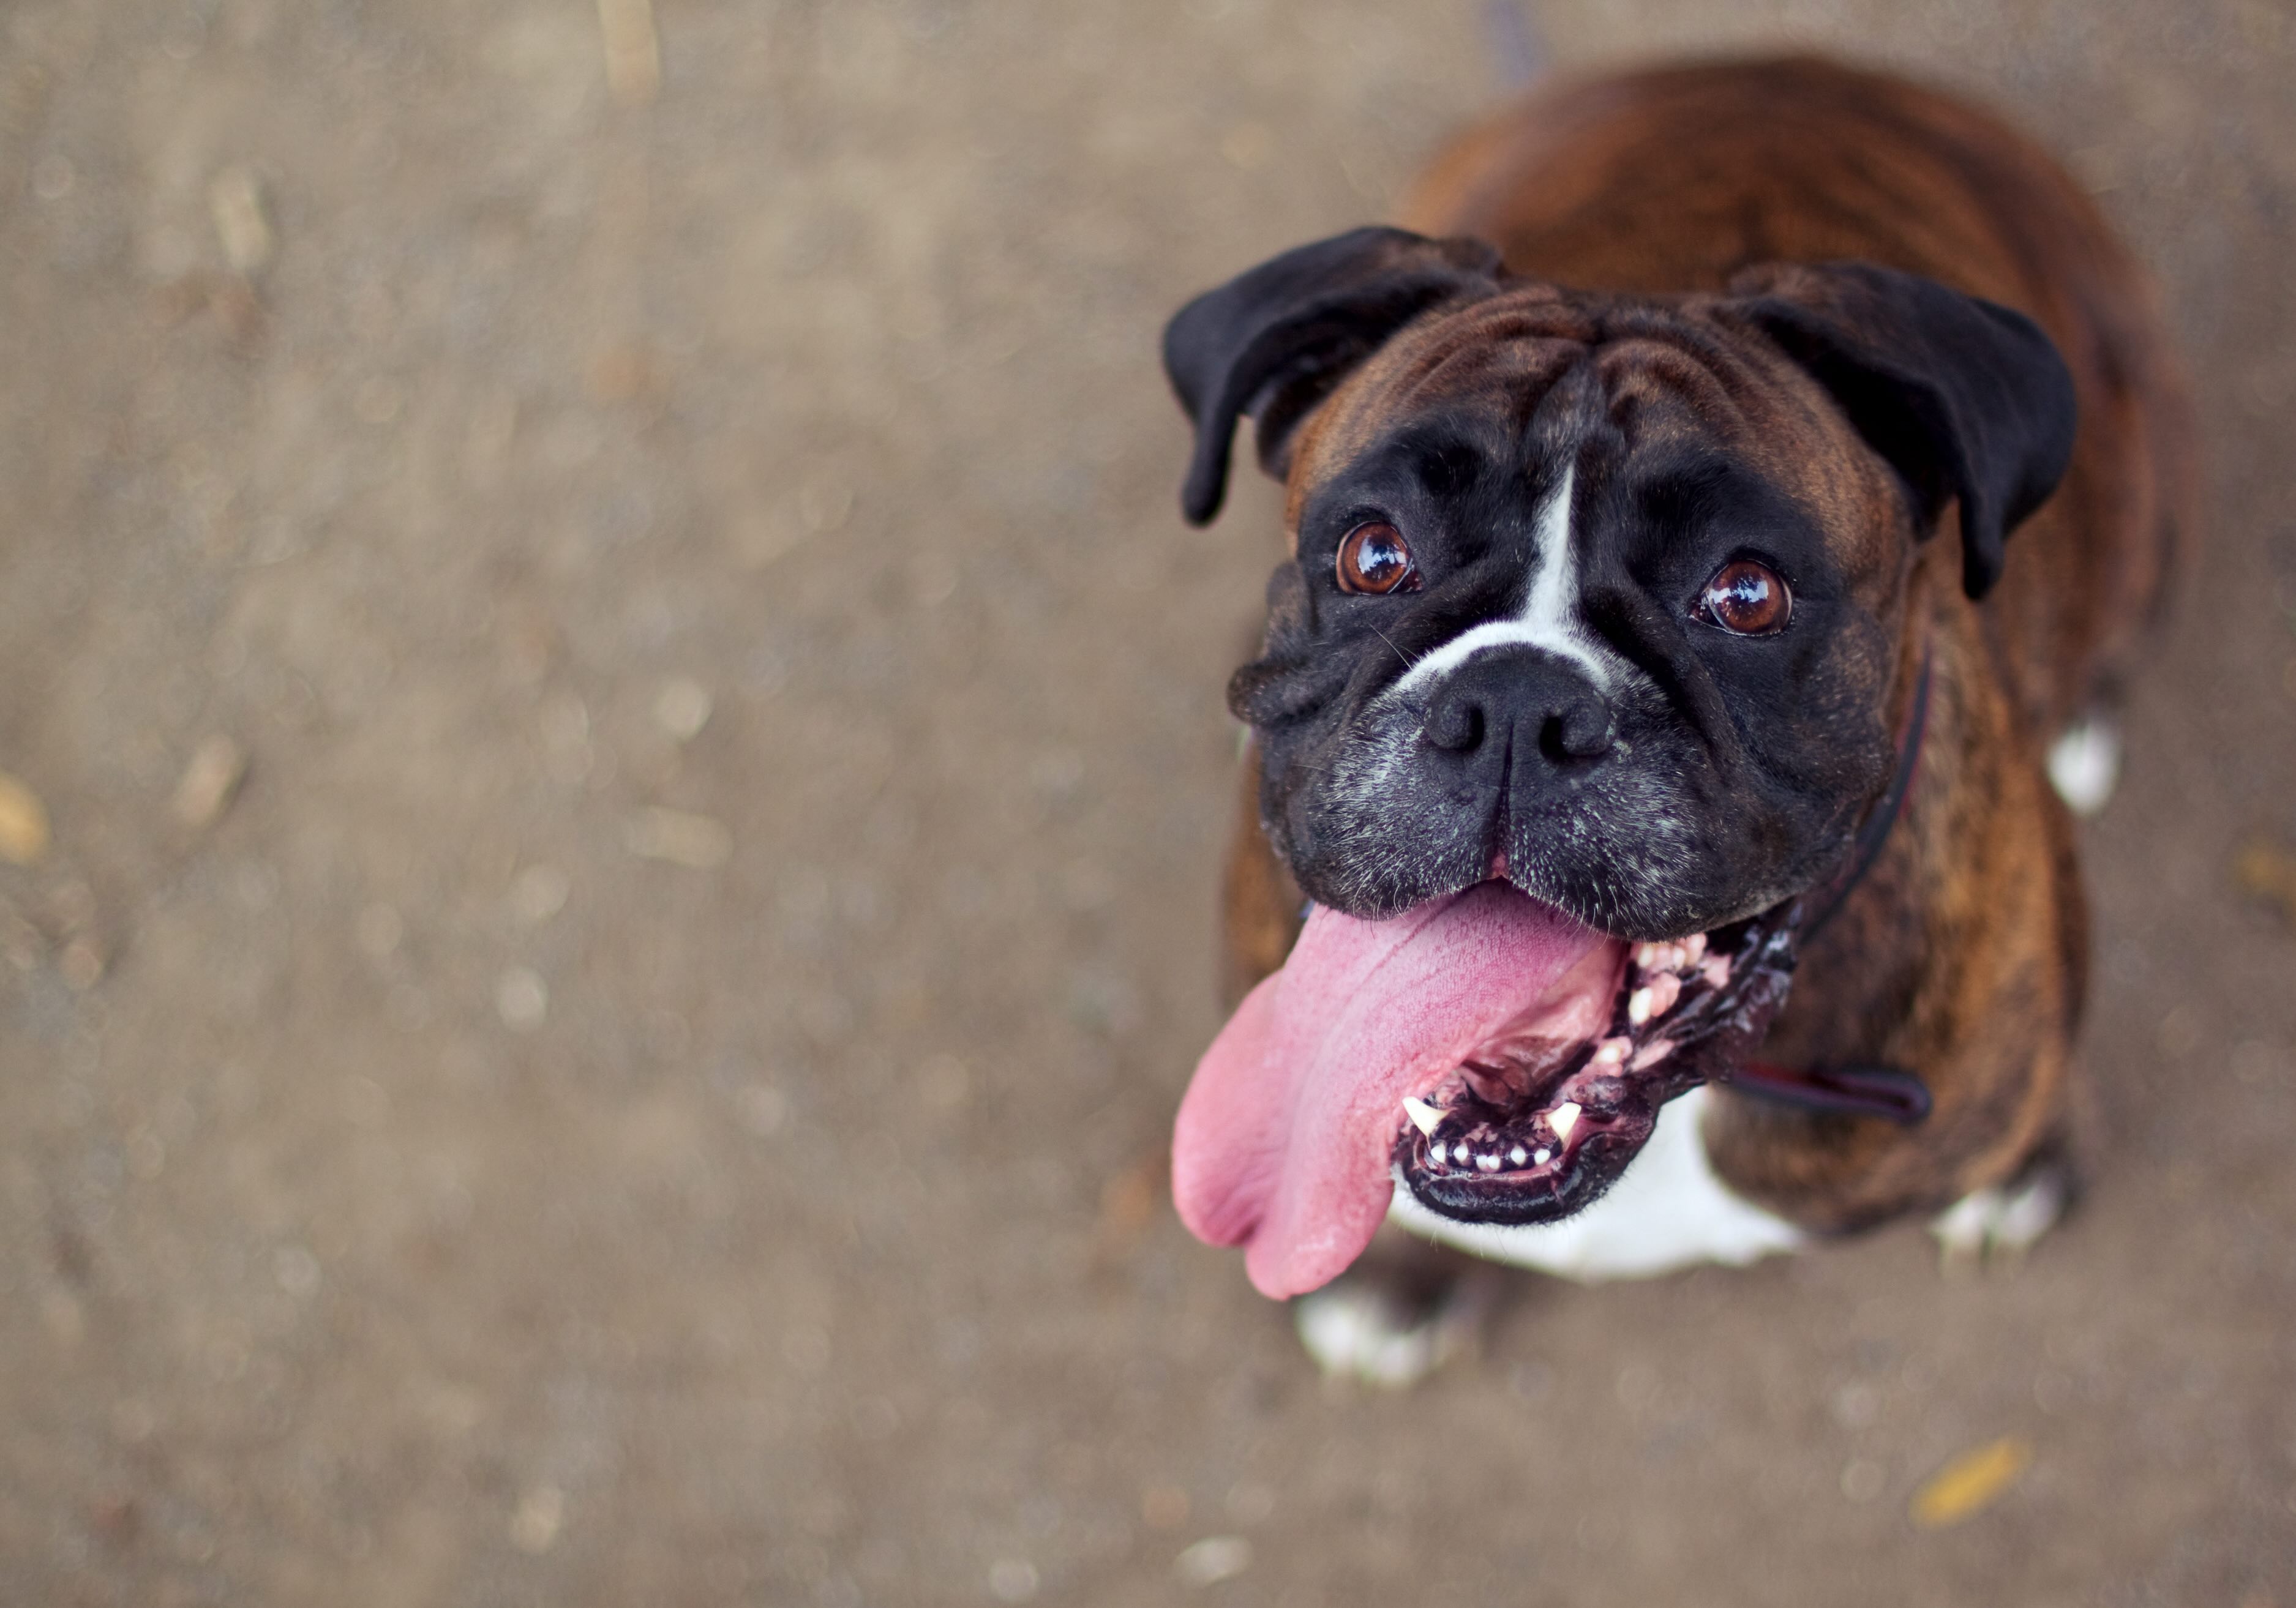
point(633, 755)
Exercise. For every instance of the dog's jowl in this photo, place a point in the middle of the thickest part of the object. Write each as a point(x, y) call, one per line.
point(1703, 522)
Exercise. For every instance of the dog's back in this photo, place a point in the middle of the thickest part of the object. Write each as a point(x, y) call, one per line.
point(1677, 179)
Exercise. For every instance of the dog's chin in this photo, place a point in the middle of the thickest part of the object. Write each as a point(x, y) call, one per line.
point(1529, 1128)
point(1650, 911)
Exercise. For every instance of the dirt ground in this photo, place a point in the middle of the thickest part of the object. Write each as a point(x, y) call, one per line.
point(648, 1087)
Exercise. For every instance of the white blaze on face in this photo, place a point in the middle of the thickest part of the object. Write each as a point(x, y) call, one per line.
point(1549, 617)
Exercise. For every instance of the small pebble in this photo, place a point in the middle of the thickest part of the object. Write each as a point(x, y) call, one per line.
point(541, 1513)
point(538, 893)
point(81, 964)
point(1014, 1581)
point(697, 842)
point(236, 202)
point(682, 708)
point(521, 998)
point(1212, 1560)
point(210, 781)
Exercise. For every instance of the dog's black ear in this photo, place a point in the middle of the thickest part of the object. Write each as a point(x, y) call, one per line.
point(1966, 400)
point(1273, 342)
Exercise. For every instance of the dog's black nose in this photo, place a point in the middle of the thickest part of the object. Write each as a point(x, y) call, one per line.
point(1503, 692)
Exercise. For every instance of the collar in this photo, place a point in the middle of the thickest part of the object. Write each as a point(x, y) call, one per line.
point(1888, 1092)
point(1881, 819)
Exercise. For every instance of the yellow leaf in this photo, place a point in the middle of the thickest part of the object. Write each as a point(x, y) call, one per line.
point(23, 822)
point(1969, 1483)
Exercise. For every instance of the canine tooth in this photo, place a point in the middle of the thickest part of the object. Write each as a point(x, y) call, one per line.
point(1486, 1164)
point(1518, 1156)
point(1542, 1158)
point(1638, 1006)
point(1564, 1118)
point(1664, 989)
point(1425, 1117)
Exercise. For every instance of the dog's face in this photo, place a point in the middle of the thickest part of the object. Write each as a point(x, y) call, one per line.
point(1581, 669)
point(1602, 596)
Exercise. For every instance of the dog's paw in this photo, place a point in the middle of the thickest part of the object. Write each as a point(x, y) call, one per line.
point(2003, 1221)
point(2085, 763)
point(1372, 1330)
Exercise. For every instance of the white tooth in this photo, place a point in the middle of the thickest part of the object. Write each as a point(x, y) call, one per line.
point(1693, 948)
point(1425, 1117)
point(1459, 1153)
point(1612, 1050)
point(1486, 1164)
point(1648, 955)
point(1717, 970)
point(1638, 1006)
point(1564, 1118)
point(1542, 1158)
point(1518, 1156)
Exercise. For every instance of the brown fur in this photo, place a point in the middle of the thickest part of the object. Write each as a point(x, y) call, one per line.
point(1961, 954)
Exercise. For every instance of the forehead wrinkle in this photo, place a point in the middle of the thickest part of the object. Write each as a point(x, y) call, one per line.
point(1490, 360)
point(1769, 414)
point(1663, 359)
point(1453, 359)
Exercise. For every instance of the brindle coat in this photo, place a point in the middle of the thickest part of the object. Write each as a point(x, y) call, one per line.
point(1962, 954)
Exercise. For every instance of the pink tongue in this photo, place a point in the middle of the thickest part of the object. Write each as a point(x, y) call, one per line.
point(1283, 1140)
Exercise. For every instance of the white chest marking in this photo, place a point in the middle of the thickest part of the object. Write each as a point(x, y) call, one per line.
point(2085, 763)
point(1549, 618)
point(1667, 1211)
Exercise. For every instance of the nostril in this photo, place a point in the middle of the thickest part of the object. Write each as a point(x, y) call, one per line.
point(1457, 723)
point(1581, 731)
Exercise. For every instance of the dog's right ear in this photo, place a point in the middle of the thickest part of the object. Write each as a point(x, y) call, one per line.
point(1273, 343)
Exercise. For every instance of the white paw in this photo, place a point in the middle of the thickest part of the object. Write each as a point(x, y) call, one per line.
point(2004, 1218)
point(1355, 1329)
point(2085, 763)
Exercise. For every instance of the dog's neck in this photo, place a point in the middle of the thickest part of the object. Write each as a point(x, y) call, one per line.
point(1909, 932)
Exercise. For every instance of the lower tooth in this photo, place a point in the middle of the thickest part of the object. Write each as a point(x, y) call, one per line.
point(1518, 1156)
point(1486, 1164)
point(1542, 1158)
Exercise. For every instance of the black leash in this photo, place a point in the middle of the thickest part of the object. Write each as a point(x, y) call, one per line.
point(1883, 819)
point(1888, 1092)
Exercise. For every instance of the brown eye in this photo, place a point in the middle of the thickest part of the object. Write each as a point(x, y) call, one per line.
point(1374, 558)
point(1747, 598)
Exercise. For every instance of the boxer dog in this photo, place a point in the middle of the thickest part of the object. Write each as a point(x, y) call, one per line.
point(1712, 526)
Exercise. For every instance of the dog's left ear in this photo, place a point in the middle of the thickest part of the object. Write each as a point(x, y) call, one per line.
point(1966, 399)
point(1273, 343)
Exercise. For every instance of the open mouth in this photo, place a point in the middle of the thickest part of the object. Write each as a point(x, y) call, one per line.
point(1528, 1129)
point(1501, 1059)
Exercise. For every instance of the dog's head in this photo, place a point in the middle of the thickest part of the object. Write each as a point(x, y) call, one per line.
point(1610, 588)
point(1602, 598)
